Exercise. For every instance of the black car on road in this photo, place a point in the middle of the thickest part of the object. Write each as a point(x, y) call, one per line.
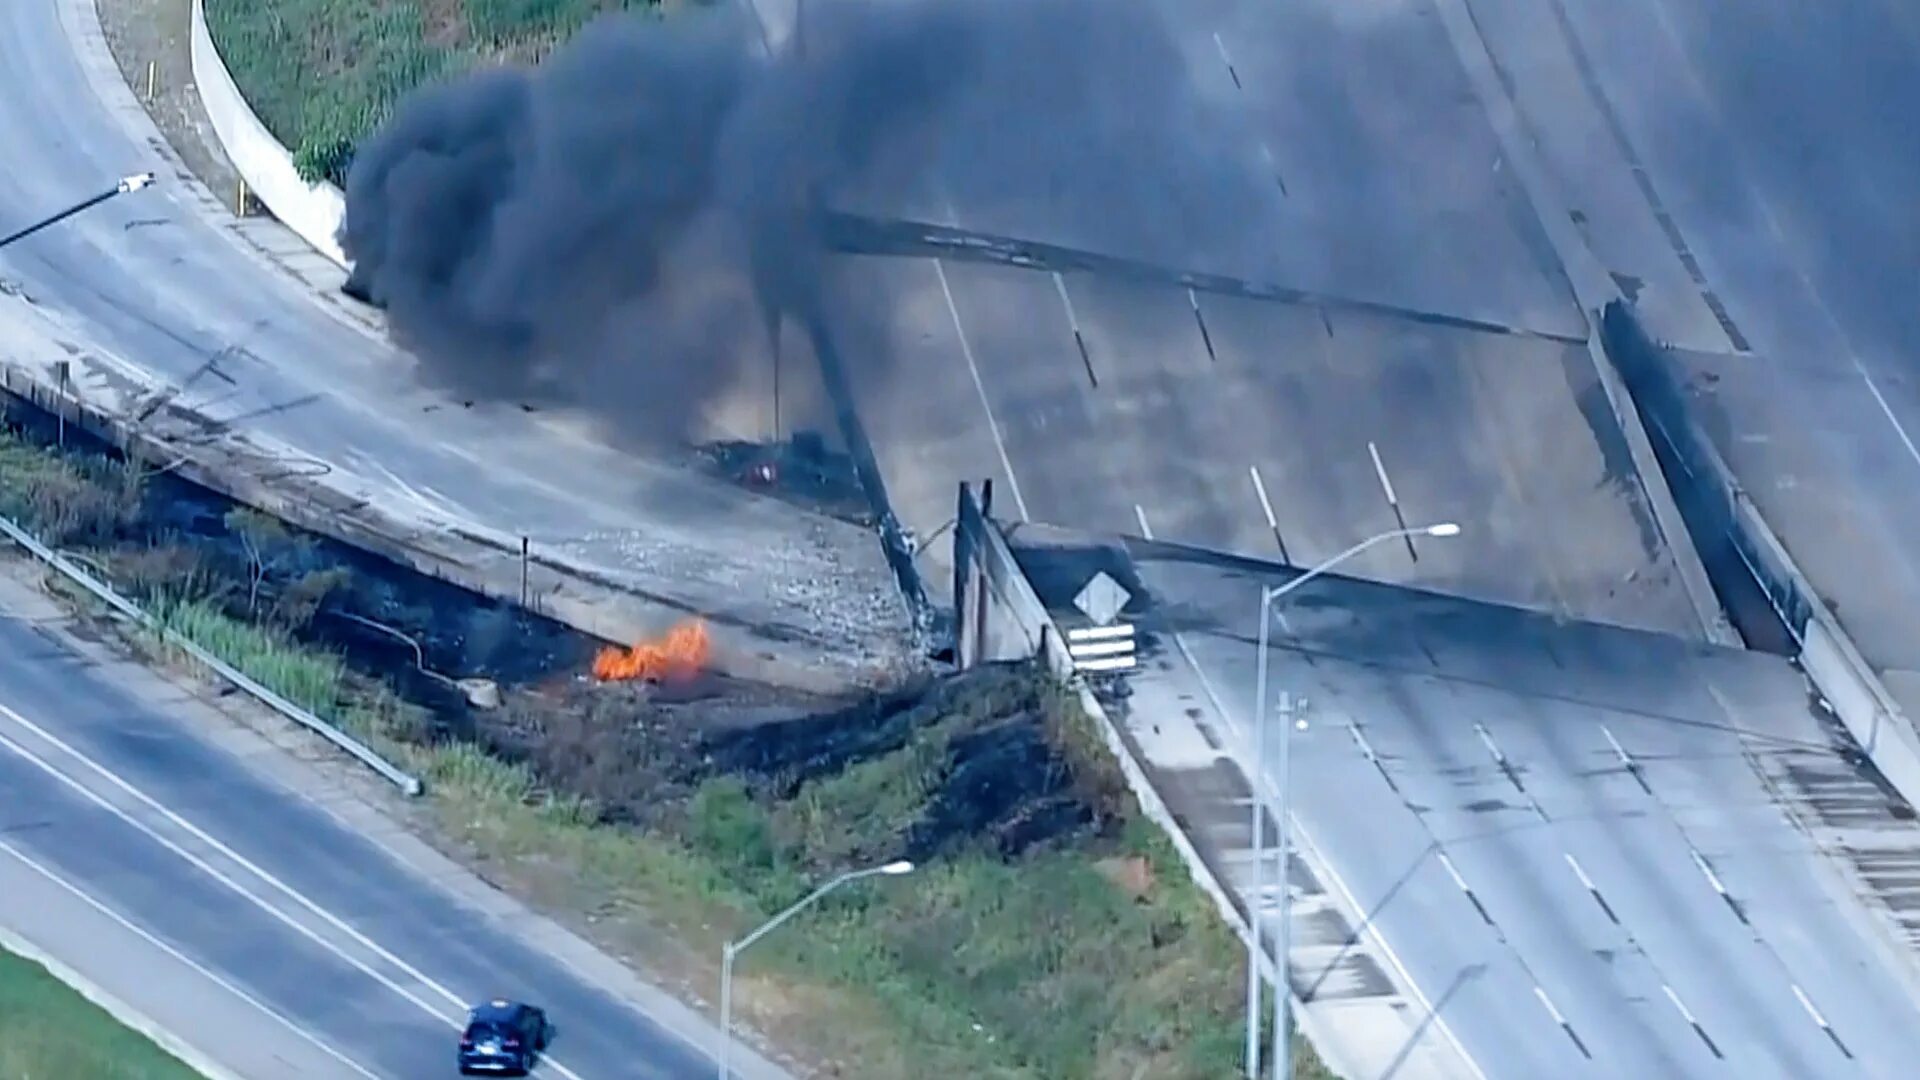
point(503, 1037)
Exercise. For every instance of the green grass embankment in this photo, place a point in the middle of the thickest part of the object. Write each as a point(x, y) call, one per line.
point(1089, 955)
point(49, 1032)
point(321, 74)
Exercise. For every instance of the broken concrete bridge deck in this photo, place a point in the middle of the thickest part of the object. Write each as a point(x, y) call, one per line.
point(1386, 335)
point(1260, 426)
point(1541, 820)
point(619, 546)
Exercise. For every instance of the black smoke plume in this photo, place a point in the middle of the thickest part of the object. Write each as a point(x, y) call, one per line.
point(635, 213)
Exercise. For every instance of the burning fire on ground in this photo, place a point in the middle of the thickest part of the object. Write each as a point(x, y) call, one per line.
point(677, 656)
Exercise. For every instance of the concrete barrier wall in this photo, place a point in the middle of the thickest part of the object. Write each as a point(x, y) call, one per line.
point(999, 616)
point(988, 578)
point(313, 211)
point(1725, 517)
point(491, 566)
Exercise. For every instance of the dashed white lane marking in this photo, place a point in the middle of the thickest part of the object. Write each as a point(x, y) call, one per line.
point(1692, 1021)
point(1558, 1018)
point(1266, 508)
point(980, 388)
point(453, 1019)
point(1260, 778)
point(1807, 1003)
point(1227, 60)
point(1380, 470)
point(96, 904)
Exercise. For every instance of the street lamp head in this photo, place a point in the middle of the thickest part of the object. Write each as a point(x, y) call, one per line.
point(135, 182)
point(1445, 528)
point(895, 869)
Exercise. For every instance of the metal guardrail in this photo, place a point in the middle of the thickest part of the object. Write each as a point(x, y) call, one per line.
point(401, 779)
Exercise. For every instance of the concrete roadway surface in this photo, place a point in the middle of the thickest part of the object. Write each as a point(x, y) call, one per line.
point(1613, 829)
point(1750, 171)
point(261, 928)
point(1272, 428)
point(149, 289)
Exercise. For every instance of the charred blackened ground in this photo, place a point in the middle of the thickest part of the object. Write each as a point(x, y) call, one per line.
point(638, 750)
point(662, 819)
point(988, 749)
point(974, 761)
point(163, 535)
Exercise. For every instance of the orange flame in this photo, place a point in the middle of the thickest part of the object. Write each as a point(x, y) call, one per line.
point(678, 656)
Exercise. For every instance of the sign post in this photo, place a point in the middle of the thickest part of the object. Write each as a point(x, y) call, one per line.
point(1107, 646)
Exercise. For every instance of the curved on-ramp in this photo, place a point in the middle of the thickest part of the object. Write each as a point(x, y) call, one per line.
point(167, 319)
point(275, 392)
point(1721, 274)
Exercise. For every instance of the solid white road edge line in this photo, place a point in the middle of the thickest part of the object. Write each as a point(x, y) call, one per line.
point(126, 1014)
point(460, 1005)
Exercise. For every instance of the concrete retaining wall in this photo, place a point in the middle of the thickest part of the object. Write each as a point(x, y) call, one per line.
point(1724, 517)
point(1000, 596)
point(998, 615)
point(1001, 617)
point(1729, 539)
point(490, 566)
point(1593, 288)
point(314, 211)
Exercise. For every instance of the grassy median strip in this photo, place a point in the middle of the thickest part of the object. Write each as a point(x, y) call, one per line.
point(1050, 933)
point(49, 1032)
point(321, 74)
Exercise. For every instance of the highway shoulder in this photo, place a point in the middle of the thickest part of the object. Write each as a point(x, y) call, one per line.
point(300, 771)
point(145, 983)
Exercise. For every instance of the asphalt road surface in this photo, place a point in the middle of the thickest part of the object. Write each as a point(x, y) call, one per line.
point(1563, 822)
point(1749, 173)
point(154, 284)
point(1338, 153)
point(273, 930)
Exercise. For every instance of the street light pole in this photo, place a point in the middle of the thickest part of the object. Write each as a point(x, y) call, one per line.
point(1258, 894)
point(1282, 990)
point(1283, 936)
point(126, 184)
point(734, 949)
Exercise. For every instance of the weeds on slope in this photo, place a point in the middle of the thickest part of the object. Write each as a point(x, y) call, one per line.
point(322, 74)
point(1050, 932)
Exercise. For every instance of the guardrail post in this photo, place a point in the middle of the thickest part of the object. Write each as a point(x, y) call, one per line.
point(105, 594)
point(63, 370)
